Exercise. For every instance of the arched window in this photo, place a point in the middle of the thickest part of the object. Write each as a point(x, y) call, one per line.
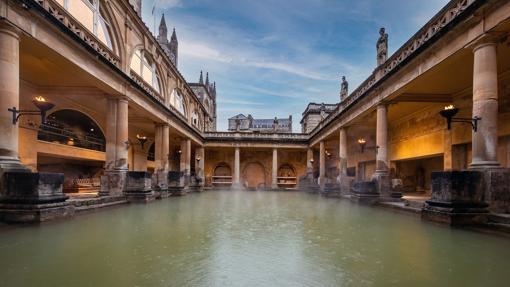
point(72, 128)
point(145, 68)
point(177, 101)
point(89, 14)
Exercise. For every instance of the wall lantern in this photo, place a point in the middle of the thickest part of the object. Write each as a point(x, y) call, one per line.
point(328, 154)
point(450, 111)
point(198, 158)
point(311, 160)
point(142, 140)
point(363, 145)
point(41, 104)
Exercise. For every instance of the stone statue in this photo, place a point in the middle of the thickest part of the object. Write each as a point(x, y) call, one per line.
point(344, 89)
point(382, 47)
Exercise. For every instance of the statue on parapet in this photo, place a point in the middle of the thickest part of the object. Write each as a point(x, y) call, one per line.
point(344, 89)
point(382, 47)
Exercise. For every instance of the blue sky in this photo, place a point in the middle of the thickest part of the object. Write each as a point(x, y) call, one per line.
point(271, 57)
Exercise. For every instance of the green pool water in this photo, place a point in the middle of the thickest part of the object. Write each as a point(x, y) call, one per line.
point(250, 239)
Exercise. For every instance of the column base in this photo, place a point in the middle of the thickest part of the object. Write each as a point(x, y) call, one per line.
point(308, 184)
point(160, 184)
point(33, 197)
point(139, 187)
point(383, 184)
point(113, 183)
point(365, 192)
point(457, 199)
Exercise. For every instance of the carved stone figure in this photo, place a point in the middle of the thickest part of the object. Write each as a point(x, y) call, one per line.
point(344, 89)
point(382, 47)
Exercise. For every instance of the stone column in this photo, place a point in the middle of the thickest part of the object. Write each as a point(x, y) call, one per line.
point(9, 97)
point(382, 139)
point(116, 165)
point(448, 150)
point(162, 146)
point(381, 175)
point(322, 164)
point(309, 160)
point(342, 152)
point(122, 135)
point(111, 134)
point(485, 105)
point(274, 177)
point(237, 167)
point(185, 164)
point(200, 164)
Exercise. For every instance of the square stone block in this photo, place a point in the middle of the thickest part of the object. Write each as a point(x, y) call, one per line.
point(32, 188)
point(497, 193)
point(457, 199)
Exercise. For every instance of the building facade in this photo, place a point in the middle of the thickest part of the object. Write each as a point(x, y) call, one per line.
point(242, 123)
point(91, 100)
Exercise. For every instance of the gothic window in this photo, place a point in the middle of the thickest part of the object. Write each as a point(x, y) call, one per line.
point(177, 102)
point(88, 12)
point(145, 68)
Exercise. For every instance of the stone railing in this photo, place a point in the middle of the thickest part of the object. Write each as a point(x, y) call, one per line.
point(255, 136)
point(64, 17)
point(410, 49)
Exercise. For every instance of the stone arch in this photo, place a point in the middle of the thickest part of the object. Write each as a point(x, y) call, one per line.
point(286, 170)
point(222, 169)
point(254, 176)
point(74, 128)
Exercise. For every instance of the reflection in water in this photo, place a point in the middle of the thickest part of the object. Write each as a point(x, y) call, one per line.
point(249, 239)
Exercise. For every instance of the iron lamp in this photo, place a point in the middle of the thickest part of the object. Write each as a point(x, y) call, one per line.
point(40, 103)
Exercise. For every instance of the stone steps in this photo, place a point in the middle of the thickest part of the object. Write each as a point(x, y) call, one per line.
point(500, 218)
point(85, 204)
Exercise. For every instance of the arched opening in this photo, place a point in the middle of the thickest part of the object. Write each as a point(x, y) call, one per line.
point(254, 176)
point(72, 128)
point(286, 176)
point(143, 65)
point(89, 14)
point(82, 169)
point(222, 175)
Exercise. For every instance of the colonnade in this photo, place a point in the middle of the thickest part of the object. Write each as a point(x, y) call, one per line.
point(485, 108)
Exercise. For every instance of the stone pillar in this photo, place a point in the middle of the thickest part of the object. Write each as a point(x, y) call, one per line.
point(122, 135)
point(448, 150)
point(188, 157)
point(381, 175)
point(382, 139)
point(162, 146)
point(200, 165)
point(343, 179)
point(9, 97)
point(322, 164)
point(116, 165)
point(185, 164)
point(485, 105)
point(111, 134)
point(342, 152)
point(309, 160)
point(237, 167)
point(274, 177)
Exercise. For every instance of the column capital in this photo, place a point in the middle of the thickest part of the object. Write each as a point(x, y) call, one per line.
point(487, 39)
point(7, 27)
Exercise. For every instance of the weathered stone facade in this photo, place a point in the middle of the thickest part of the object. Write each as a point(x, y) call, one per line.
point(143, 128)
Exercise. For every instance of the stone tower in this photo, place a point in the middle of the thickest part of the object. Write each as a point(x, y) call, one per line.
point(174, 47)
point(171, 48)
